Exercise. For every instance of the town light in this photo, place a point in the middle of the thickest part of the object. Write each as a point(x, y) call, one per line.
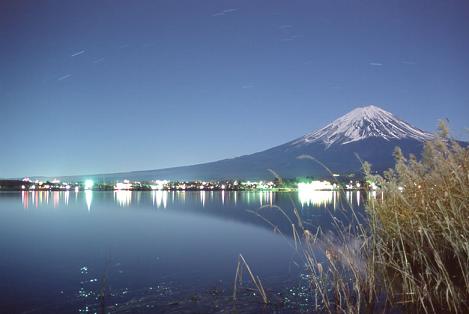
point(316, 186)
point(123, 186)
point(89, 184)
point(159, 184)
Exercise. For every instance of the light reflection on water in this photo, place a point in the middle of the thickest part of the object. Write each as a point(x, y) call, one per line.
point(123, 198)
point(162, 199)
point(202, 198)
point(317, 198)
point(89, 199)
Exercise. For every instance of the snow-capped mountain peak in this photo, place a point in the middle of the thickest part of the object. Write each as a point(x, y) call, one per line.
point(362, 123)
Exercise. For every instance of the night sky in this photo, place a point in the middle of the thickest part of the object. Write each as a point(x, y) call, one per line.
point(106, 86)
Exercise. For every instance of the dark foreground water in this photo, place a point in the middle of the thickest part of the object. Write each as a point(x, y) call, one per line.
point(153, 252)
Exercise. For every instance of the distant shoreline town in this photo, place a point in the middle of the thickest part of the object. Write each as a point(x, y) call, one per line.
point(286, 185)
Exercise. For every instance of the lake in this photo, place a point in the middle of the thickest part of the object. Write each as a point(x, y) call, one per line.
point(156, 251)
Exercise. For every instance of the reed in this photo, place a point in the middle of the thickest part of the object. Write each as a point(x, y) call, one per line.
point(412, 252)
point(241, 266)
point(421, 227)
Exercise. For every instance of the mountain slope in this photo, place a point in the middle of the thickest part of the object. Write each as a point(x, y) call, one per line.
point(362, 123)
point(368, 132)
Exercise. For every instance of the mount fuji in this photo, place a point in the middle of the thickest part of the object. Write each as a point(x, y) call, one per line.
point(370, 133)
point(363, 123)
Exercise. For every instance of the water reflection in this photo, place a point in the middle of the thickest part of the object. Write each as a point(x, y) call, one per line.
point(66, 197)
point(164, 199)
point(89, 198)
point(160, 198)
point(56, 198)
point(202, 198)
point(265, 198)
point(348, 197)
point(25, 199)
point(317, 198)
point(123, 197)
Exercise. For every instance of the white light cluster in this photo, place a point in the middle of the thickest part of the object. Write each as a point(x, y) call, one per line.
point(317, 186)
point(159, 184)
point(126, 185)
point(89, 184)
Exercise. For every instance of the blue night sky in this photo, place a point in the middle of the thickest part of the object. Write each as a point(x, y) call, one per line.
point(107, 86)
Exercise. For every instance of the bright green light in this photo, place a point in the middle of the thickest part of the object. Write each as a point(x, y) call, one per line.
point(89, 184)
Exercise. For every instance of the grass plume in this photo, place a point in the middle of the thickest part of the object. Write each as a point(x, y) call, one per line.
point(410, 253)
point(421, 227)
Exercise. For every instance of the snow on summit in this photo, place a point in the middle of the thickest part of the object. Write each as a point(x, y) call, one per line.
point(362, 123)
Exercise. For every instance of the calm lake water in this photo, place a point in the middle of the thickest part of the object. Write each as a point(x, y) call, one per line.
point(151, 252)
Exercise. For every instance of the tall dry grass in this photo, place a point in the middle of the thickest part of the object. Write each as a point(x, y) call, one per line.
point(412, 252)
point(420, 230)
